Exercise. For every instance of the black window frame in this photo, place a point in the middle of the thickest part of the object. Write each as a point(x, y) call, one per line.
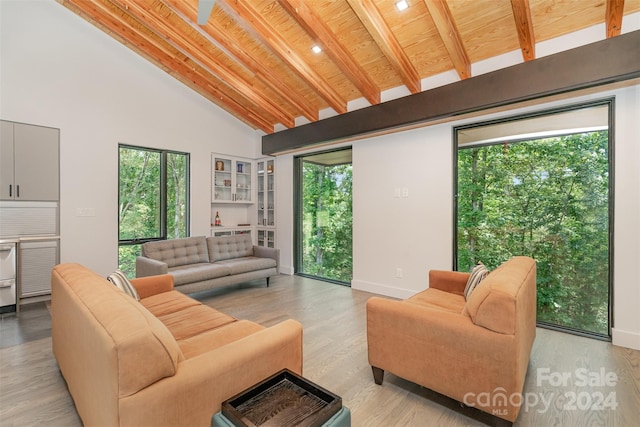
point(163, 195)
point(298, 218)
point(610, 102)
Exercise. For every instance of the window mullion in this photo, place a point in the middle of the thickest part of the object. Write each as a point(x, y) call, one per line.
point(163, 194)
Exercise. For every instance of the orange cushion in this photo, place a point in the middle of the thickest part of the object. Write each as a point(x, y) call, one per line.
point(210, 340)
point(168, 302)
point(194, 320)
point(493, 303)
point(441, 300)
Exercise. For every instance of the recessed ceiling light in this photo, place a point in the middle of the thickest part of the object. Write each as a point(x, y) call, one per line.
point(316, 49)
point(402, 5)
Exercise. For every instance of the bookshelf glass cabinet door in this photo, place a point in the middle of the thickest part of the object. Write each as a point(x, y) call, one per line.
point(232, 179)
point(267, 237)
point(266, 193)
point(266, 201)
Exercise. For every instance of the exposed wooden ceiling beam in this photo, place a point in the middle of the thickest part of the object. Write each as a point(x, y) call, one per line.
point(207, 85)
point(615, 9)
point(450, 37)
point(524, 26)
point(214, 32)
point(274, 40)
point(318, 29)
point(377, 27)
point(148, 15)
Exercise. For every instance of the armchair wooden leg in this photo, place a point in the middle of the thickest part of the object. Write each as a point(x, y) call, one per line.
point(378, 375)
point(268, 281)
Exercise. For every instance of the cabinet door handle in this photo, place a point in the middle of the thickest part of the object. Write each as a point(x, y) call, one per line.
point(17, 190)
point(10, 190)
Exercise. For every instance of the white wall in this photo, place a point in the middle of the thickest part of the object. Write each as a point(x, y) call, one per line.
point(57, 70)
point(626, 281)
point(411, 232)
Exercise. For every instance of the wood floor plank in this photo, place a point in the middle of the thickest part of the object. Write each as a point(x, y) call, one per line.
point(32, 392)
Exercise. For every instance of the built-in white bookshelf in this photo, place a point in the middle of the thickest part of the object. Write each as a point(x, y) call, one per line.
point(243, 197)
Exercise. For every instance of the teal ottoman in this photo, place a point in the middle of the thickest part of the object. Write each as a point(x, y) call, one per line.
point(284, 399)
point(341, 419)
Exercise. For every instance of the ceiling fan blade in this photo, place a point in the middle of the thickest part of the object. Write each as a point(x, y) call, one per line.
point(204, 10)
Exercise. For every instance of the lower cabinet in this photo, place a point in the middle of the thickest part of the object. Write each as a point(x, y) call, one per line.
point(267, 237)
point(37, 259)
point(230, 231)
point(260, 236)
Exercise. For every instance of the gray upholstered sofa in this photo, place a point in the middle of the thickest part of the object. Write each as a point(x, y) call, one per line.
point(202, 263)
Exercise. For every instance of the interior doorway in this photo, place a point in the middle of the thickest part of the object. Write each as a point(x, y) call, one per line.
point(323, 210)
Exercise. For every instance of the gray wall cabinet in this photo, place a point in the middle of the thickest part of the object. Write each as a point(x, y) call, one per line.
point(29, 162)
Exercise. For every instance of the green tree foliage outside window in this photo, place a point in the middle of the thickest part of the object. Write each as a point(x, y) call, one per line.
point(153, 199)
point(139, 207)
point(327, 221)
point(547, 199)
point(177, 191)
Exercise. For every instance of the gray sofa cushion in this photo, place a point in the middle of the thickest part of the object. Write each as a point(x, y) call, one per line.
point(198, 272)
point(246, 264)
point(227, 247)
point(189, 250)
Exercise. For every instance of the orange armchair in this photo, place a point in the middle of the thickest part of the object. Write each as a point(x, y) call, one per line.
point(466, 349)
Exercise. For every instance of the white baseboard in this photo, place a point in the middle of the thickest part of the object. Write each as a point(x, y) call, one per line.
point(380, 289)
point(288, 270)
point(625, 339)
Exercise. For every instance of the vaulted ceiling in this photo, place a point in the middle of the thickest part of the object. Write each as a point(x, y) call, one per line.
point(254, 58)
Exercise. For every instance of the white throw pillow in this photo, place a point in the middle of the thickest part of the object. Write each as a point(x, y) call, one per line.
point(478, 273)
point(119, 279)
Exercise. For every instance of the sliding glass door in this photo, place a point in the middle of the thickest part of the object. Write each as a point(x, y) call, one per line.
point(324, 216)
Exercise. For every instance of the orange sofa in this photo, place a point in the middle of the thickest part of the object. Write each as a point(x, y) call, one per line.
point(166, 359)
point(475, 351)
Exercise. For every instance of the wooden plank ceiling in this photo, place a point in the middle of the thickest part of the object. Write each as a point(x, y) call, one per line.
point(254, 58)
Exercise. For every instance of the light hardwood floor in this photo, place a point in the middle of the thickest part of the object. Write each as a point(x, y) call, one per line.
point(32, 392)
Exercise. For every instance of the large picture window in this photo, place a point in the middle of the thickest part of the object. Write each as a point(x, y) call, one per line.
point(153, 199)
point(540, 186)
